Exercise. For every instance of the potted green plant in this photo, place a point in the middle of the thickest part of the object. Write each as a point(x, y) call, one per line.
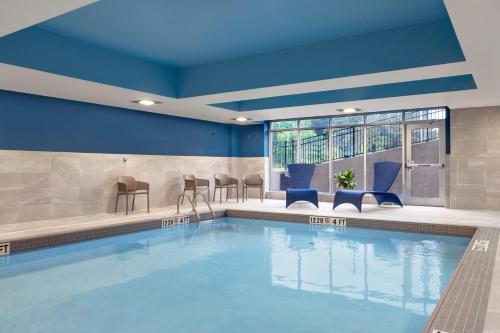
point(345, 179)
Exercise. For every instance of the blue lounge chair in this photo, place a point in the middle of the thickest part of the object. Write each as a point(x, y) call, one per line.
point(300, 180)
point(384, 175)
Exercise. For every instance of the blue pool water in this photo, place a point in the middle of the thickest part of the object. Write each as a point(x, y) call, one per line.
point(236, 275)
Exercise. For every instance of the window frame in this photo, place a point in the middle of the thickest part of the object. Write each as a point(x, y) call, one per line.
point(331, 127)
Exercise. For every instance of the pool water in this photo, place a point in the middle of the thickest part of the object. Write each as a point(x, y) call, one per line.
point(235, 275)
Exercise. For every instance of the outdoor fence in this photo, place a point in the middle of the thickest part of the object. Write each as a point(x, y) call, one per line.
point(347, 142)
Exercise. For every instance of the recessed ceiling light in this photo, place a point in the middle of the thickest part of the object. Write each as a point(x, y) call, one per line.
point(146, 102)
point(241, 119)
point(349, 110)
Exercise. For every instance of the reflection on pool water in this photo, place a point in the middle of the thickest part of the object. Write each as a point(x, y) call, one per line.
point(235, 275)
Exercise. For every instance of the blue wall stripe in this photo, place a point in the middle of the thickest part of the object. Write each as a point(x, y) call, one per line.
point(452, 83)
point(30, 122)
point(426, 44)
point(45, 51)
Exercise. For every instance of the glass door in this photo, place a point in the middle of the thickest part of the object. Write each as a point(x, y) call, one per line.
point(424, 165)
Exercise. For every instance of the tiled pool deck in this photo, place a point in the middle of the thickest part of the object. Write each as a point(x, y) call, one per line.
point(462, 308)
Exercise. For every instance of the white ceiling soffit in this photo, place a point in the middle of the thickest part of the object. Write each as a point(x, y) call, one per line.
point(26, 80)
point(30, 81)
point(46, 84)
point(457, 99)
point(403, 75)
point(19, 14)
point(477, 26)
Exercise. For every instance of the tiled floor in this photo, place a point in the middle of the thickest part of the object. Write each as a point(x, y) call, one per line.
point(389, 213)
point(492, 321)
point(407, 214)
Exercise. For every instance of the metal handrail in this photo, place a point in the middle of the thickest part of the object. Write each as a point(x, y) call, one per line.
point(193, 205)
point(207, 202)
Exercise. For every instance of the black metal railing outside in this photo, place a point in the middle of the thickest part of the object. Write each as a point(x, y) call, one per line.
point(314, 149)
point(347, 143)
point(284, 153)
point(383, 137)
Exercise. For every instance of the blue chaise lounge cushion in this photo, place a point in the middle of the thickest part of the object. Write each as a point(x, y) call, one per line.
point(296, 194)
point(300, 180)
point(384, 175)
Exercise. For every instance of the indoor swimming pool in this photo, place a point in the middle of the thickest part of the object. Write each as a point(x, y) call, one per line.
point(232, 275)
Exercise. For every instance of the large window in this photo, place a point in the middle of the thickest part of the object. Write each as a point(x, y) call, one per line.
point(345, 142)
point(284, 149)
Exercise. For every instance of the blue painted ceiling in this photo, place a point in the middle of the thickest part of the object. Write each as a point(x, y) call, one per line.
point(189, 48)
point(193, 32)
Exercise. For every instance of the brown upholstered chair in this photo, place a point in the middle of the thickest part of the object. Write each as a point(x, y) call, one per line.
point(253, 181)
point(223, 181)
point(129, 186)
point(191, 183)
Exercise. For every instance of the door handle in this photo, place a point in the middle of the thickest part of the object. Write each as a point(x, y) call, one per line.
point(424, 165)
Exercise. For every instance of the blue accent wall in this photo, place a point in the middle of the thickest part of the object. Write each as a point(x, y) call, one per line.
point(250, 140)
point(31, 122)
point(432, 43)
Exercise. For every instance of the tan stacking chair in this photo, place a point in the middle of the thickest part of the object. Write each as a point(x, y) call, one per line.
point(191, 183)
point(129, 186)
point(253, 181)
point(223, 181)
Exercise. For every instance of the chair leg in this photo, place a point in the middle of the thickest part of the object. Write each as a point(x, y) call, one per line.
point(261, 194)
point(388, 197)
point(182, 201)
point(133, 202)
point(116, 204)
point(126, 206)
point(148, 200)
point(215, 192)
point(237, 194)
point(354, 199)
point(220, 194)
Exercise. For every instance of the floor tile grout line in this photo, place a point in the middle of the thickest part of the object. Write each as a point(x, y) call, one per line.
point(470, 304)
point(490, 274)
point(436, 319)
point(450, 319)
point(469, 289)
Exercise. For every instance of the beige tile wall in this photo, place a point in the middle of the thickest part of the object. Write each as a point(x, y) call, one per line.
point(475, 158)
point(45, 185)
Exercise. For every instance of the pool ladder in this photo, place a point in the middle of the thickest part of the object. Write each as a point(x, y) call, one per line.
point(193, 203)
